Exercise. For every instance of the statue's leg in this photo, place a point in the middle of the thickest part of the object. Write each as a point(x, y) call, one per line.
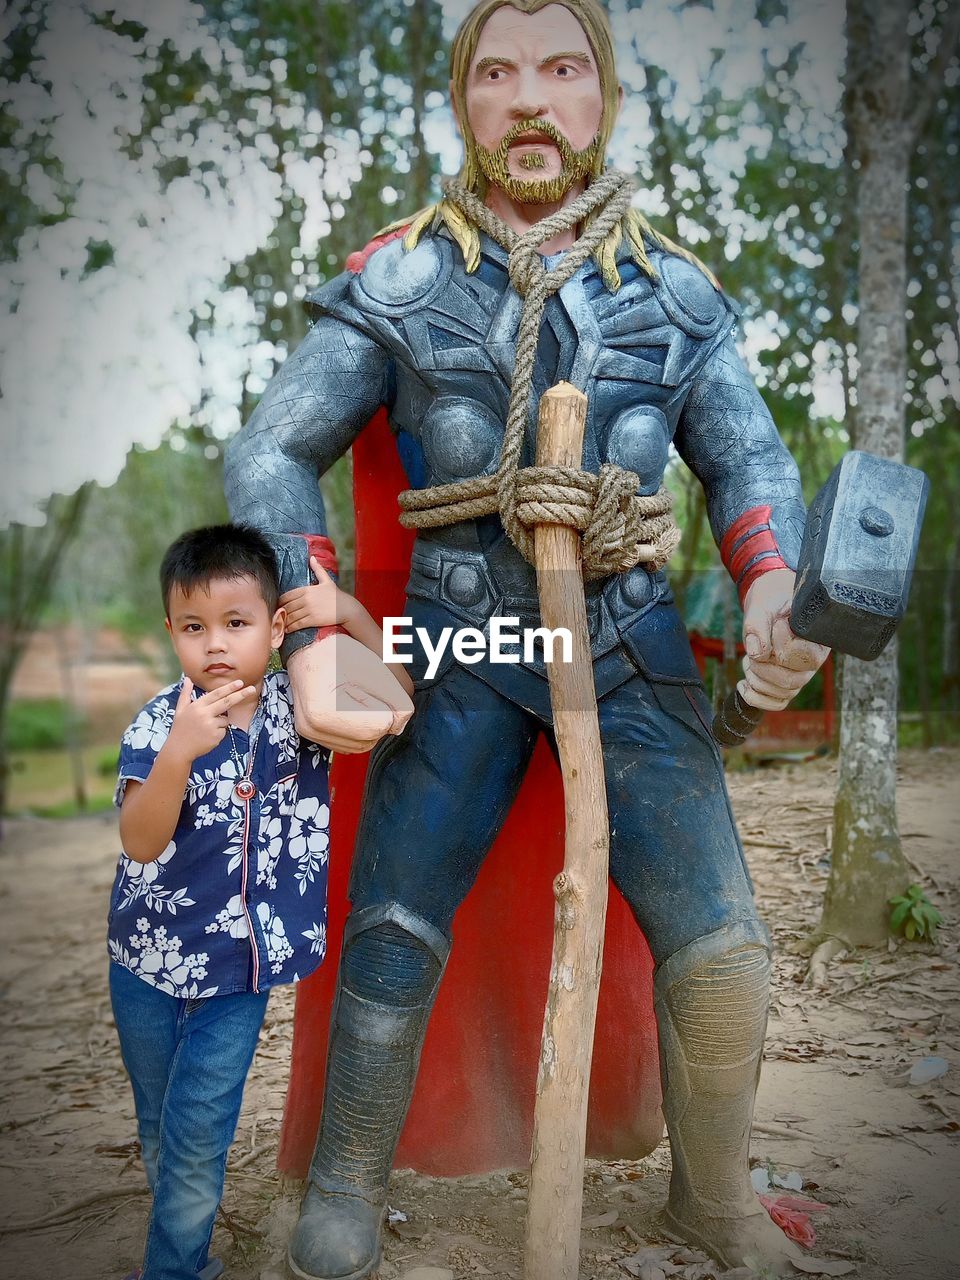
point(390, 969)
point(676, 857)
point(435, 800)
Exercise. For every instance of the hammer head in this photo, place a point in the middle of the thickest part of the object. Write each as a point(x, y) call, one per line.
point(859, 549)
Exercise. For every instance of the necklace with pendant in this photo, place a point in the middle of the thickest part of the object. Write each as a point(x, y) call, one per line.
point(245, 789)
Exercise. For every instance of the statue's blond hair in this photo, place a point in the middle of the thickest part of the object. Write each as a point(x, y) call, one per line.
point(593, 19)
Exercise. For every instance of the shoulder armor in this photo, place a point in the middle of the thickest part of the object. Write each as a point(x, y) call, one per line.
point(689, 299)
point(395, 279)
point(324, 300)
point(358, 260)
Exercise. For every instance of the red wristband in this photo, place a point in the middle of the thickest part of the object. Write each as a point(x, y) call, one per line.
point(326, 553)
point(323, 549)
point(749, 549)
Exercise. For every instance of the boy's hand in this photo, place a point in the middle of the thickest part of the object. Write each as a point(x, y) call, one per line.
point(200, 725)
point(323, 605)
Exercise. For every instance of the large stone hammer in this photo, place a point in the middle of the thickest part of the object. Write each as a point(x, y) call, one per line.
point(853, 575)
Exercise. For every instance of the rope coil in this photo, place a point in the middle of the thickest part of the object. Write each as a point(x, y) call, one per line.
point(620, 528)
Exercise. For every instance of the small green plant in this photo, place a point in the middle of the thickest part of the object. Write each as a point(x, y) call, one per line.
point(41, 724)
point(107, 762)
point(914, 915)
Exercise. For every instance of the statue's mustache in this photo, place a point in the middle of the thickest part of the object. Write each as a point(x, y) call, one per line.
point(544, 131)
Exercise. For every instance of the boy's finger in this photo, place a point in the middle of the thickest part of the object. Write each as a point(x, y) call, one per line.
point(319, 572)
point(232, 699)
point(291, 597)
point(185, 694)
point(217, 695)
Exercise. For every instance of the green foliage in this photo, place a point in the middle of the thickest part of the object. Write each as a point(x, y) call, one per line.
point(41, 724)
point(348, 88)
point(70, 808)
point(914, 916)
point(108, 762)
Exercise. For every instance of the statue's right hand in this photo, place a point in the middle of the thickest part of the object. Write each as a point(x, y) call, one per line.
point(344, 697)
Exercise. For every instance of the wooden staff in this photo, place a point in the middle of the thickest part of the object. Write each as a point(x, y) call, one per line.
point(555, 1204)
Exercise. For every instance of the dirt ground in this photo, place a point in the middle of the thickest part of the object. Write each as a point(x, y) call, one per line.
point(835, 1103)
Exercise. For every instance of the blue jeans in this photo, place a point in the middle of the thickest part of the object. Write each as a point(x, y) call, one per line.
point(187, 1061)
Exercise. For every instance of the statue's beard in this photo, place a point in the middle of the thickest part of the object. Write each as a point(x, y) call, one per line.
point(575, 166)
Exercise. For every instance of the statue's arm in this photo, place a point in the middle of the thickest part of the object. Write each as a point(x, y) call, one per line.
point(755, 504)
point(313, 409)
point(752, 486)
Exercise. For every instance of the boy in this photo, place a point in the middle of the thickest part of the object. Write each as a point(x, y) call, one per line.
point(220, 892)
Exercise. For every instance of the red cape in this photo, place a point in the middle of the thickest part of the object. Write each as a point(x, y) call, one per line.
point(472, 1110)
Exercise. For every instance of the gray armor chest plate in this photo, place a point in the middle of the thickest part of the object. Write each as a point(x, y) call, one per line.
point(452, 337)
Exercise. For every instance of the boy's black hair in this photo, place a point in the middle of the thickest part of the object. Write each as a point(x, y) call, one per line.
point(200, 556)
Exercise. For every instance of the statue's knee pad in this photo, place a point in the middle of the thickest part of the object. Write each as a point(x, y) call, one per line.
point(393, 960)
point(711, 1000)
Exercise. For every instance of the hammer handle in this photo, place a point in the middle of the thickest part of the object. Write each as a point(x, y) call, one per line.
point(736, 720)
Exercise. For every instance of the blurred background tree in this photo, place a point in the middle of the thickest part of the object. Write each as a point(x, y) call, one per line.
point(176, 178)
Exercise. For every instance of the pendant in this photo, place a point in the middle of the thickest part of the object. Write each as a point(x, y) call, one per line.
point(244, 790)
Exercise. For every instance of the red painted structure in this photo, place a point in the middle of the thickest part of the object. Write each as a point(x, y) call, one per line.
point(472, 1110)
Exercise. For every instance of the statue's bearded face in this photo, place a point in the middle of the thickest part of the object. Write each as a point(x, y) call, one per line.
point(534, 103)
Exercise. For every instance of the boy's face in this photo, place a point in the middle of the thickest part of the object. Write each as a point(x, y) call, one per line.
point(223, 631)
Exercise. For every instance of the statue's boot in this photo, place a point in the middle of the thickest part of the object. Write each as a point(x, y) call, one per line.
point(711, 1002)
point(390, 970)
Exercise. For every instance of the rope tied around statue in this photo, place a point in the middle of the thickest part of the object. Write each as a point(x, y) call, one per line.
point(620, 527)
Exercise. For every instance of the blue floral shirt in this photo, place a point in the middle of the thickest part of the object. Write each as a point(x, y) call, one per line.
point(238, 899)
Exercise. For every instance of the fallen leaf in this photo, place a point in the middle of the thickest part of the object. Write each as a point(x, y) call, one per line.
point(408, 1230)
point(650, 1271)
point(648, 1263)
point(861, 1053)
point(600, 1220)
point(822, 1267)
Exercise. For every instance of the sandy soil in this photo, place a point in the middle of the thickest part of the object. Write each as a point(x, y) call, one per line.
point(835, 1102)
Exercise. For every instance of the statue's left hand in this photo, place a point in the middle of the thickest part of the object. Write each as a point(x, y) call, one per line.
point(778, 663)
point(343, 695)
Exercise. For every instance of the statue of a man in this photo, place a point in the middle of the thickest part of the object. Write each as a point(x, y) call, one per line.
point(537, 239)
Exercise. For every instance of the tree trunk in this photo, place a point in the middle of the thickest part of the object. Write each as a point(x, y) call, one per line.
point(950, 685)
point(28, 569)
point(73, 722)
point(418, 193)
point(868, 864)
